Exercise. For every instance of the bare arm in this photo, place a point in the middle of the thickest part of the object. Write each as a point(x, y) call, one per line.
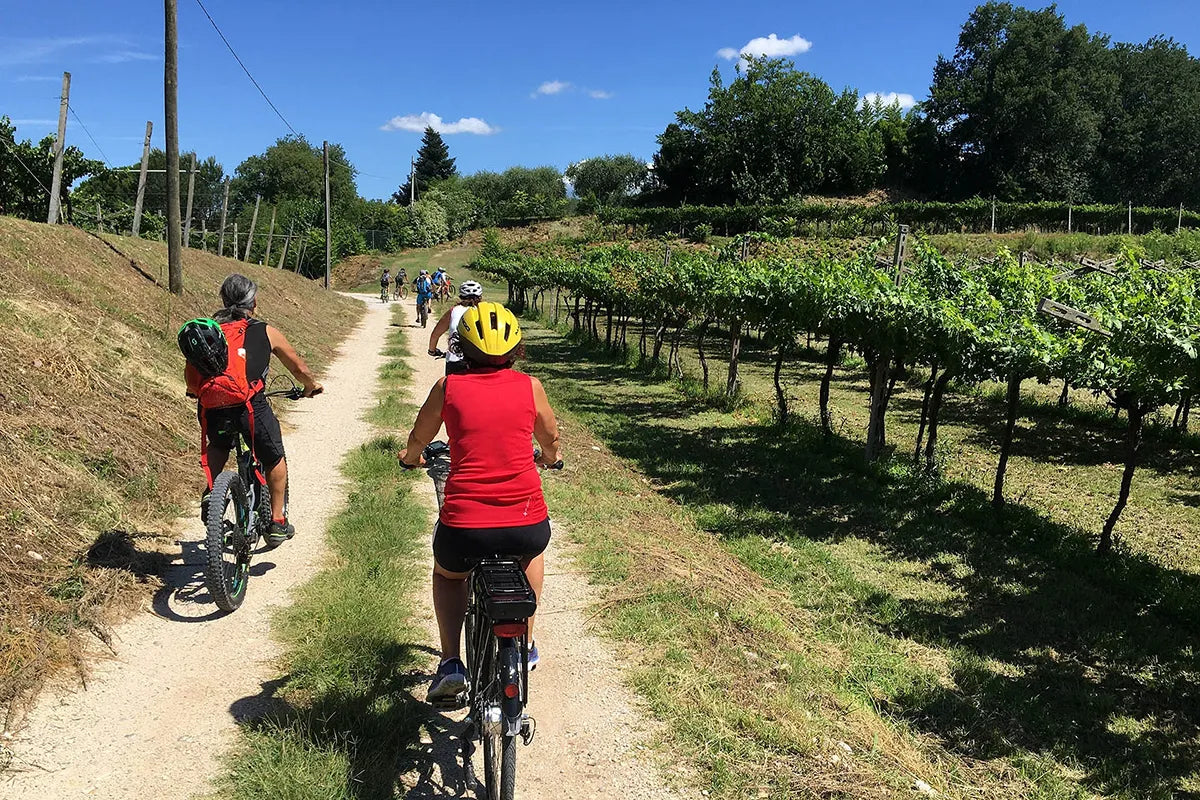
point(439, 330)
point(545, 427)
point(429, 421)
point(296, 365)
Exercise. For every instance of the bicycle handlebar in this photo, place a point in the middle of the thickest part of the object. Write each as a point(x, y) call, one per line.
point(439, 451)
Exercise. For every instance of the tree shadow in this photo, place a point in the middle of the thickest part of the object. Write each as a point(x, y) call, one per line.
point(1053, 649)
point(184, 595)
point(395, 744)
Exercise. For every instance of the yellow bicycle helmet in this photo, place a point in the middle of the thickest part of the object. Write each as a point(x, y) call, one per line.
point(490, 330)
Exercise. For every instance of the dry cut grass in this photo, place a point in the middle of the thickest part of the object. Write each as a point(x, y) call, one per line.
point(98, 442)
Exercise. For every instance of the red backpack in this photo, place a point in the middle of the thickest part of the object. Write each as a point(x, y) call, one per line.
point(227, 389)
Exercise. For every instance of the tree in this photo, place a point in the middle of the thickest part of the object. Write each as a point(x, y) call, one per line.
point(116, 189)
point(518, 192)
point(607, 180)
point(433, 164)
point(294, 169)
point(773, 132)
point(1020, 104)
point(26, 173)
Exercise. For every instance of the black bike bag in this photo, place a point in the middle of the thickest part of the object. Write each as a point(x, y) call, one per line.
point(507, 595)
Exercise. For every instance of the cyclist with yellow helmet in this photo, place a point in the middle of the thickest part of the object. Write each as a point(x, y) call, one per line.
point(493, 499)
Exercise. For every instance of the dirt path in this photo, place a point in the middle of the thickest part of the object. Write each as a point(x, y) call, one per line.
point(590, 733)
point(156, 717)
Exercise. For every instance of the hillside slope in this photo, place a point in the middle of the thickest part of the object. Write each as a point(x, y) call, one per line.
point(99, 445)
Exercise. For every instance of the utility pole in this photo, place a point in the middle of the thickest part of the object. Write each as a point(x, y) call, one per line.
point(250, 235)
point(59, 147)
point(141, 194)
point(187, 231)
point(412, 181)
point(171, 112)
point(328, 247)
point(270, 238)
point(224, 210)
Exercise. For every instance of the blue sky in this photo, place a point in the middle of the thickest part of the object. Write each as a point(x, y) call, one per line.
point(342, 70)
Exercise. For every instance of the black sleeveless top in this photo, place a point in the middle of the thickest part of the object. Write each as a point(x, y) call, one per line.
point(258, 351)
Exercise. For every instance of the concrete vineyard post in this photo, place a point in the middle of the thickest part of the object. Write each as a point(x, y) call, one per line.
point(141, 191)
point(59, 147)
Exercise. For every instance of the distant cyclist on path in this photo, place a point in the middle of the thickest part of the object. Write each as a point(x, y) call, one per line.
point(470, 294)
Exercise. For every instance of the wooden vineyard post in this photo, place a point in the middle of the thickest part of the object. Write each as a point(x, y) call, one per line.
point(141, 191)
point(59, 148)
point(187, 225)
point(328, 243)
point(204, 234)
point(253, 223)
point(224, 212)
point(270, 238)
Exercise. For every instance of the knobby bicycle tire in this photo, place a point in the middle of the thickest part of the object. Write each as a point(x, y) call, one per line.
point(227, 582)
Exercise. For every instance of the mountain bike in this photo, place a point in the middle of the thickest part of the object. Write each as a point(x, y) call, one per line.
point(499, 605)
point(237, 515)
point(401, 291)
point(384, 294)
point(422, 310)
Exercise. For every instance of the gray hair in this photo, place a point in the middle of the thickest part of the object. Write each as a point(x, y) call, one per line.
point(238, 295)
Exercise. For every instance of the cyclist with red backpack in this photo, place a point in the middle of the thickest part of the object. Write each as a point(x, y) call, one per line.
point(228, 358)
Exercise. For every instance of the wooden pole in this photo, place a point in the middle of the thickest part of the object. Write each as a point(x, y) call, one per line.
point(141, 193)
point(1070, 214)
point(99, 219)
point(1129, 230)
point(235, 239)
point(224, 211)
point(253, 223)
point(270, 238)
point(204, 235)
point(993, 215)
point(412, 181)
point(56, 184)
point(286, 244)
point(328, 243)
point(171, 112)
point(187, 230)
point(1179, 225)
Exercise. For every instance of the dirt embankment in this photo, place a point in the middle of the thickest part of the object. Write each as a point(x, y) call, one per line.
point(98, 442)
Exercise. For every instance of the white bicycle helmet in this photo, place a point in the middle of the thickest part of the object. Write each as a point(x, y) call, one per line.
point(469, 289)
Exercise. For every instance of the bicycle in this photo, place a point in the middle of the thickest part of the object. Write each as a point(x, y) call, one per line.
point(236, 516)
point(422, 310)
point(400, 292)
point(500, 602)
point(384, 294)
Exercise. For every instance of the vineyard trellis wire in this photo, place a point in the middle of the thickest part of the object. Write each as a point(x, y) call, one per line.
point(961, 323)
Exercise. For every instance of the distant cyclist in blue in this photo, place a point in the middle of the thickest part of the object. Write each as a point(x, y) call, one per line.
point(424, 286)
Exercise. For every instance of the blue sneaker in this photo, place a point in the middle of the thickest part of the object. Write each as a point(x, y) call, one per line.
point(449, 682)
point(533, 657)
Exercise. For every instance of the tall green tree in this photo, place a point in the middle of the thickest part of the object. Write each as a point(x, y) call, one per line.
point(433, 164)
point(1020, 105)
point(607, 180)
point(294, 169)
point(27, 170)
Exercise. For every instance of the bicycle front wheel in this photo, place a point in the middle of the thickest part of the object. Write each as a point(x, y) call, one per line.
point(227, 542)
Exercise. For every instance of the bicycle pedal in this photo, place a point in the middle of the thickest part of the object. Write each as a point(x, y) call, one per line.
point(528, 730)
point(454, 703)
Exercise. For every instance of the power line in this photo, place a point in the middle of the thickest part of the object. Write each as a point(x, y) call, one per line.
point(103, 155)
point(32, 174)
point(244, 69)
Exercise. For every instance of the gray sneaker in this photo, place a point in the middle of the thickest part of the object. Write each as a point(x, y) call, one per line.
point(449, 682)
point(278, 533)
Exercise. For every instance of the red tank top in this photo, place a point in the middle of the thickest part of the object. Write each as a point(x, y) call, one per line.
point(489, 415)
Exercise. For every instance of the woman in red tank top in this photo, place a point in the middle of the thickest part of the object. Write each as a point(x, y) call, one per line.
point(493, 500)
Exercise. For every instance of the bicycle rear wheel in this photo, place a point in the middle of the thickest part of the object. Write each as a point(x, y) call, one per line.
point(500, 765)
point(227, 543)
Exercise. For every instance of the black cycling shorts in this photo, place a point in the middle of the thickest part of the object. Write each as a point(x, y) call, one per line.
point(460, 549)
point(457, 367)
point(225, 424)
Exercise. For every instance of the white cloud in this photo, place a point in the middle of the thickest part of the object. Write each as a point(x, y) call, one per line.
point(771, 46)
point(37, 78)
point(903, 99)
point(419, 122)
point(552, 87)
point(121, 56)
point(104, 49)
point(34, 121)
point(599, 94)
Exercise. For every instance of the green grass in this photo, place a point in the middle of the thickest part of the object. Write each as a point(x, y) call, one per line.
point(341, 722)
point(989, 655)
point(452, 259)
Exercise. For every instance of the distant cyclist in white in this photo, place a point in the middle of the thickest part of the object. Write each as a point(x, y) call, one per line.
point(470, 294)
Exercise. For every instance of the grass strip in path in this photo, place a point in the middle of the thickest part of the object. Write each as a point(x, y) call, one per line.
point(341, 722)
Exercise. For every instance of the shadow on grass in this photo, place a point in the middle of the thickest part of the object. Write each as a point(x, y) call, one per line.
point(394, 745)
point(1054, 651)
